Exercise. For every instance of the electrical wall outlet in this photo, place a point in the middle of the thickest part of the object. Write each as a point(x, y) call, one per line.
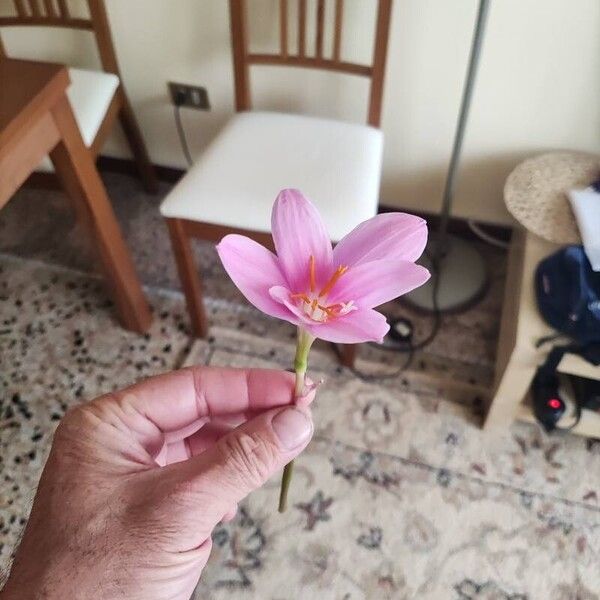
point(192, 96)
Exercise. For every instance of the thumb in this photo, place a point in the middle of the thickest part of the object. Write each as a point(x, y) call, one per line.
point(245, 458)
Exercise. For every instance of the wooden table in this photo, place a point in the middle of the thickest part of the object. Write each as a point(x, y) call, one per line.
point(35, 120)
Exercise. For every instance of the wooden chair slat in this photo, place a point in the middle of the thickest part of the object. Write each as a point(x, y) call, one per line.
point(311, 62)
point(44, 21)
point(50, 13)
point(283, 27)
point(34, 8)
point(301, 27)
point(20, 7)
point(50, 10)
point(63, 9)
point(337, 34)
point(320, 27)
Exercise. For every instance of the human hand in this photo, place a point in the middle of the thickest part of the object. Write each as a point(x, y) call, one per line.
point(136, 481)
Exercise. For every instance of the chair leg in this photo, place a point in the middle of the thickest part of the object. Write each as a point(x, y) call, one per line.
point(348, 355)
point(137, 145)
point(189, 276)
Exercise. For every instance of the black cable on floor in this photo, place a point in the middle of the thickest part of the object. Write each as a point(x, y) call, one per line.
point(181, 134)
point(410, 347)
point(371, 377)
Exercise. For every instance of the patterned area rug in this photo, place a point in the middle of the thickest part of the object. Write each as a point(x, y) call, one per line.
point(400, 495)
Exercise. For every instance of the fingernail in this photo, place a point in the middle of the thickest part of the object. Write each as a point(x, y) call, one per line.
point(292, 427)
point(308, 393)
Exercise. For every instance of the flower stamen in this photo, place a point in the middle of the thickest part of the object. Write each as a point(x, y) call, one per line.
point(303, 297)
point(333, 280)
point(315, 305)
point(311, 268)
point(330, 311)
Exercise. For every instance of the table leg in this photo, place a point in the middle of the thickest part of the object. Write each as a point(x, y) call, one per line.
point(76, 169)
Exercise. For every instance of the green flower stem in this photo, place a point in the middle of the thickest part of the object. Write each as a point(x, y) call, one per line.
point(304, 343)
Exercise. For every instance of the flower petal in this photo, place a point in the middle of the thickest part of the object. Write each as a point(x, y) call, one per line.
point(373, 283)
point(356, 327)
point(281, 294)
point(386, 236)
point(299, 233)
point(254, 270)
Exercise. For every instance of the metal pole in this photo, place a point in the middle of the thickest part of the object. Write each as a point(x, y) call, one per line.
point(460, 127)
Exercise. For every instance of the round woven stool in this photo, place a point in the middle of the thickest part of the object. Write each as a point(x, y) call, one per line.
point(535, 193)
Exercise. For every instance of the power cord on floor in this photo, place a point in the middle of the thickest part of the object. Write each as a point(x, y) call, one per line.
point(372, 377)
point(486, 237)
point(409, 348)
point(181, 134)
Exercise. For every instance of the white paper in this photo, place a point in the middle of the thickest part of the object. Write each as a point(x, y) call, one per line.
point(586, 206)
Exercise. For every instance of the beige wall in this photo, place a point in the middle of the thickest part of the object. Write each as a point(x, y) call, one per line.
point(539, 84)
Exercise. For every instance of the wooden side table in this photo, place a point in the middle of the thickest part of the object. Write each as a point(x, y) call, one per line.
point(521, 326)
point(35, 120)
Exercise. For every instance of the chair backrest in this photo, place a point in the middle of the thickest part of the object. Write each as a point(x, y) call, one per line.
point(56, 13)
point(243, 58)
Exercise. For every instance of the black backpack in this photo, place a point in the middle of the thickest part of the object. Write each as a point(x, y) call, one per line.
point(568, 294)
point(568, 298)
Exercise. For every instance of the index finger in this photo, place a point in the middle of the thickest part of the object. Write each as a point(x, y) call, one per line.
point(178, 399)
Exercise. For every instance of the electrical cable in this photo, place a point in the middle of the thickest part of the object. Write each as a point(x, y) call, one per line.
point(410, 348)
point(181, 134)
point(577, 416)
point(372, 377)
point(486, 237)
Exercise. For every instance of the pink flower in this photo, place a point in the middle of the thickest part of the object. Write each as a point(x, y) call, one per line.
point(329, 292)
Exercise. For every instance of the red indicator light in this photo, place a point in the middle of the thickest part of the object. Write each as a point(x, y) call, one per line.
point(554, 403)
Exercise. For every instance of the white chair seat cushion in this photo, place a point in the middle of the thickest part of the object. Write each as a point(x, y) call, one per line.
point(90, 95)
point(337, 165)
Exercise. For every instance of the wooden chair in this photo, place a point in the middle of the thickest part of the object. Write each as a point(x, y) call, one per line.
point(97, 97)
point(338, 165)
